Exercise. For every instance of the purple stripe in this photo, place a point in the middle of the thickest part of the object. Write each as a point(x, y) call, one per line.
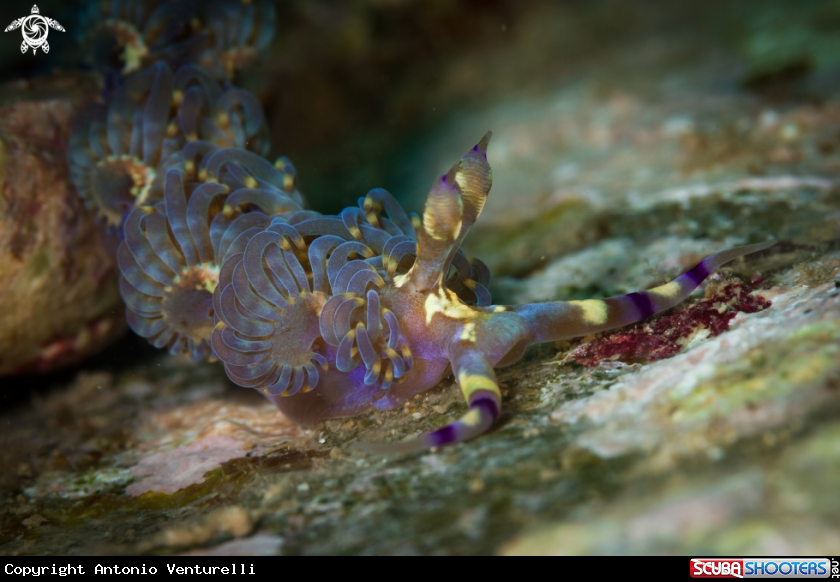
point(443, 436)
point(488, 406)
point(643, 304)
point(698, 273)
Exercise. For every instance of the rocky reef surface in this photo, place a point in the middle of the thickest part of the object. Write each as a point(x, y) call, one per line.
point(58, 277)
point(713, 428)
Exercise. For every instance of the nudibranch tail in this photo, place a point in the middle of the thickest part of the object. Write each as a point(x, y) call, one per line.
point(558, 320)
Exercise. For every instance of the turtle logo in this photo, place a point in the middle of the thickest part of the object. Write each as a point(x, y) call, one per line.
point(35, 30)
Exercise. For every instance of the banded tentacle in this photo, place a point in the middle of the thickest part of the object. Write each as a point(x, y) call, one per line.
point(558, 320)
point(477, 380)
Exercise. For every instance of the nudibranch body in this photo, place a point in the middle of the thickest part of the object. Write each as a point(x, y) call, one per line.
point(332, 316)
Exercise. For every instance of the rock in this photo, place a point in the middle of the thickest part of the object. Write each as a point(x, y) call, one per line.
point(58, 288)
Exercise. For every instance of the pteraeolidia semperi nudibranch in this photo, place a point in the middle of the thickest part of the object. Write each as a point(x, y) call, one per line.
point(328, 316)
point(325, 335)
point(115, 152)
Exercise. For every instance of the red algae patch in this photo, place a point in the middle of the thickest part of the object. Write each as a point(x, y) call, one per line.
point(667, 335)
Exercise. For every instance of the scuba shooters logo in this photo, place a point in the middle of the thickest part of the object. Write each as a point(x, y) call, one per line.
point(763, 568)
point(35, 29)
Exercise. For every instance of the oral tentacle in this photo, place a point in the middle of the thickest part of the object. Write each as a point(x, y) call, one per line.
point(558, 320)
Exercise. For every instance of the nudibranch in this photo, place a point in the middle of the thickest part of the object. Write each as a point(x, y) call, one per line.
point(115, 151)
point(172, 250)
point(330, 316)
